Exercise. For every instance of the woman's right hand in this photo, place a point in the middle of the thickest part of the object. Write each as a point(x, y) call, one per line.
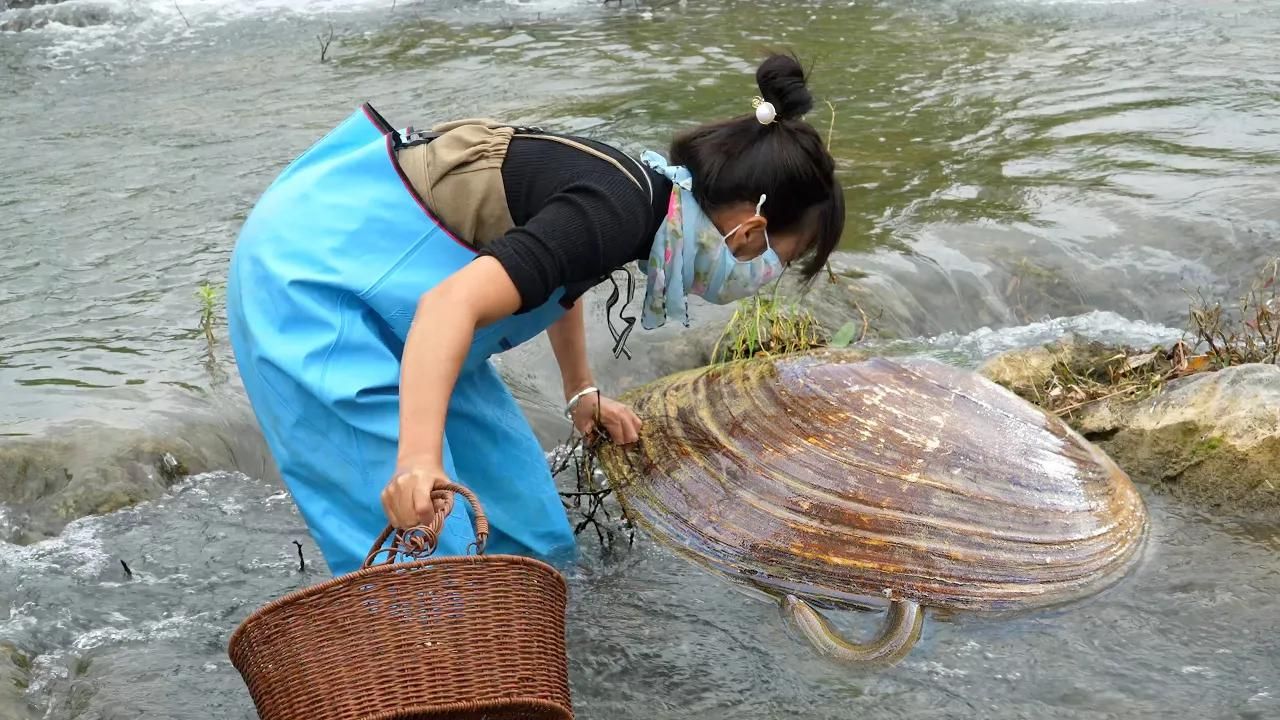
point(407, 498)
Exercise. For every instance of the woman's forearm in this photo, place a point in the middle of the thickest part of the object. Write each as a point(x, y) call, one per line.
point(433, 354)
point(569, 344)
point(444, 325)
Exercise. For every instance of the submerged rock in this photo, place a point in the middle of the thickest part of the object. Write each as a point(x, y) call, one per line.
point(1024, 371)
point(36, 15)
point(25, 4)
point(93, 469)
point(845, 294)
point(1029, 371)
point(15, 675)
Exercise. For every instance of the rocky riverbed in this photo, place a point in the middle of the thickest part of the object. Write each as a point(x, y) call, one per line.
point(1209, 438)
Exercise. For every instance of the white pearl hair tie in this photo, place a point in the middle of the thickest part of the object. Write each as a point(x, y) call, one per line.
point(765, 112)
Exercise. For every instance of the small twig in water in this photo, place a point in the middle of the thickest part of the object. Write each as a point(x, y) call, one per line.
point(324, 42)
point(1090, 401)
point(127, 572)
point(866, 322)
point(832, 277)
point(302, 564)
point(578, 456)
point(831, 131)
point(181, 14)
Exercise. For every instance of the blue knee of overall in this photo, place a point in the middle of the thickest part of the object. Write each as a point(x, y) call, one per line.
point(324, 281)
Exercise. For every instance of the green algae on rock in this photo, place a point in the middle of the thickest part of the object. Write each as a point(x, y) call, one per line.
point(1212, 439)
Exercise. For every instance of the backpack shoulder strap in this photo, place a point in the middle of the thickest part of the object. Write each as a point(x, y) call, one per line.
point(413, 137)
point(596, 153)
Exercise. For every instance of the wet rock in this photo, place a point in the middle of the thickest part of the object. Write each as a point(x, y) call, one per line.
point(1023, 371)
point(19, 24)
point(15, 675)
point(690, 348)
point(902, 296)
point(1212, 439)
point(157, 679)
point(1027, 370)
point(92, 469)
point(845, 294)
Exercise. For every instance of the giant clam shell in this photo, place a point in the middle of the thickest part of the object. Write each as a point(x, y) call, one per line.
point(844, 480)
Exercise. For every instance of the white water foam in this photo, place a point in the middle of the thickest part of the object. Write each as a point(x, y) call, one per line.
point(76, 26)
point(173, 627)
point(6, 522)
point(78, 547)
point(1100, 326)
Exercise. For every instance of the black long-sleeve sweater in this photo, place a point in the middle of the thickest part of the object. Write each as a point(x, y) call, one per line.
point(577, 217)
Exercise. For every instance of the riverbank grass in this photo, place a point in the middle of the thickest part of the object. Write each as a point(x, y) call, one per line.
point(767, 326)
point(1066, 377)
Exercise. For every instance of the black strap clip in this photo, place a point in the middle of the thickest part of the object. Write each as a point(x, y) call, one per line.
point(411, 137)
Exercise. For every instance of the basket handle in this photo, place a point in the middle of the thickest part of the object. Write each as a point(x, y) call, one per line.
point(420, 541)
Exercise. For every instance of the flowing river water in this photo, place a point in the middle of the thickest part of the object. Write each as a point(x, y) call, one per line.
point(1013, 170)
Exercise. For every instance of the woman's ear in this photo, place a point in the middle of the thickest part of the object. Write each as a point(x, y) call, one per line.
point(751, 238)
point(746, 228)
point(753, 223)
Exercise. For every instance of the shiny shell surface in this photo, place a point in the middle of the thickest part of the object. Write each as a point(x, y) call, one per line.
point(845, 480)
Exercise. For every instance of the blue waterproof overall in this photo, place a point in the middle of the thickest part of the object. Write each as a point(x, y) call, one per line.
point(324, 281)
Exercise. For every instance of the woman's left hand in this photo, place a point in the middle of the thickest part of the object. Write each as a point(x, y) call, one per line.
point(618, 419)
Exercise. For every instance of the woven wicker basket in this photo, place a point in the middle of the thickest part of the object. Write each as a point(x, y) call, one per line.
point(470, 637)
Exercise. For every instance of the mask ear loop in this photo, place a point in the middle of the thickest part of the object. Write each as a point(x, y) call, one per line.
point(764, 222)
point(751, 223)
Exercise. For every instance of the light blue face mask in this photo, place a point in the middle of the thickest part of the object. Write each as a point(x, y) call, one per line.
point(690, 256)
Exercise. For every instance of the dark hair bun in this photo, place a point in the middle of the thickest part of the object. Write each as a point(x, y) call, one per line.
point(782, 83)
